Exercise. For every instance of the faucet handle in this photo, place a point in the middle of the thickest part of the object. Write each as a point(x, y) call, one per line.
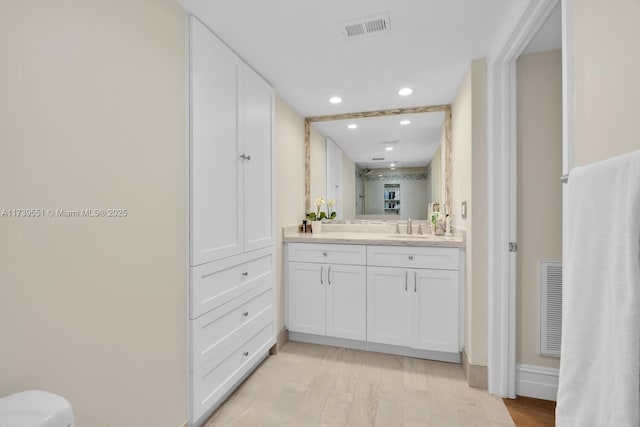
point(397, 228)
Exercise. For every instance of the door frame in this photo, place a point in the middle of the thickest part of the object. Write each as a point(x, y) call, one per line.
point(523, 21)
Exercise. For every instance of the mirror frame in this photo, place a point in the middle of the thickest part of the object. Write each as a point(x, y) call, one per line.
point(379, 113)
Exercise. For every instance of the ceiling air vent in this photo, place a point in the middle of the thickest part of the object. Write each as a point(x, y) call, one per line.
point(362, 27)
point(377, 158)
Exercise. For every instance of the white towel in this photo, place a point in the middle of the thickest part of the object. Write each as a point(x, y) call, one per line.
point(600, 356)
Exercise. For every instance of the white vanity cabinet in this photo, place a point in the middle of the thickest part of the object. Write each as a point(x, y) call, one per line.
point(231, 184)
point(231, 229)
point(327, 290)
point(413, 297)
point(406, 298)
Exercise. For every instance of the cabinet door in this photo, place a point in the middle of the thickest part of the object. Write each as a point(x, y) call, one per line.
point(306, 297)
point(387, 305)
point(434, 310)
point(256, 124)
point(215, 203)
point(346, 301)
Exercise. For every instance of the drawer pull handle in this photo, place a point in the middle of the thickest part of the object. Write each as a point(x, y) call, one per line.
point(245, 274)
point(411, 257)
point(415, 281)
point(321, 271)
point(329, 275)
point(405, 279)
point(245, 314)
point(246, 353)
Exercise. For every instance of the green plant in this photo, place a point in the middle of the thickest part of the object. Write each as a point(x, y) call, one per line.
point(435, 216)
point(319, 214)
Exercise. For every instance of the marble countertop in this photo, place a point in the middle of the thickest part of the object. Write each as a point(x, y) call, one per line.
point(371, 234)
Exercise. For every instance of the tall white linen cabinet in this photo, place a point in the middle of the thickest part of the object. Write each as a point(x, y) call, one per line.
point(231, 221)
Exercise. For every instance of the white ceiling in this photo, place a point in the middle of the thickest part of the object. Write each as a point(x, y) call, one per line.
point(298, 46)
point(549, 36)
point(413, 144)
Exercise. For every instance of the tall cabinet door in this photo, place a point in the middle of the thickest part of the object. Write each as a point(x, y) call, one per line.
point(346, 301)
point(434, 310)
point(256, 125)
point(387, 305)
point(215, 202)
point(306, 297)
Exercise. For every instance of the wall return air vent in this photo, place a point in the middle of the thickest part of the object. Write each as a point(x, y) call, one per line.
point(362, 27)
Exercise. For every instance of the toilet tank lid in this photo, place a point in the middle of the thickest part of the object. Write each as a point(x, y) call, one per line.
point(35, 408)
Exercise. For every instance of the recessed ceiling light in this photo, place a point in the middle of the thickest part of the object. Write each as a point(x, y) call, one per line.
point(389, 148)
point(335, 100)
point(405, 91)
point(353, 126)
point(405, 122)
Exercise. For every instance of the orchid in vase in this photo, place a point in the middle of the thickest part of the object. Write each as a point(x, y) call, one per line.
point(319, 214)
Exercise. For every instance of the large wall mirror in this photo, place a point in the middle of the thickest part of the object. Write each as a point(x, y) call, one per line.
point(386, 164)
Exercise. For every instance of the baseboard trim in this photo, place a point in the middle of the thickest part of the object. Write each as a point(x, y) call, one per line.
point(537, 381)
point(281, 339)
point(375, 347)
point(476, 375)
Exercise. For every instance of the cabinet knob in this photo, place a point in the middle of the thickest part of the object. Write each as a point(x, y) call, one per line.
point(245, 274)
point(245, 314)
point(245, 354)
point(245, 156)
point(411, 257)
point(324, 254)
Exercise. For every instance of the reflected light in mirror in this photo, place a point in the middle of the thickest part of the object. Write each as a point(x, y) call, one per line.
point(335, 100)
point(405, 91)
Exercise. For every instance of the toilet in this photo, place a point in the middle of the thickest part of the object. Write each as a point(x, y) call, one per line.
point(35, 409)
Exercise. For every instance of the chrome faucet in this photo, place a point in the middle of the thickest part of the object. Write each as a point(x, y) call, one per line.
point(409, 226)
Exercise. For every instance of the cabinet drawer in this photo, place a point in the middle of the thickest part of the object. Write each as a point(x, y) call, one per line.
point(326, 253)
point(212, 380)
point(413, 257)
point(216, 283)
point(217, 333)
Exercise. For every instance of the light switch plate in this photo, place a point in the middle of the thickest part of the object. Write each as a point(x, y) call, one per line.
point(463, 210)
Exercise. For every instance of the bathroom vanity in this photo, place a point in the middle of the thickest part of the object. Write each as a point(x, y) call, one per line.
point(367, 288)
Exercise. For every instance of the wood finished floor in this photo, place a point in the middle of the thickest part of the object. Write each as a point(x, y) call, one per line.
point(314, 385)
point(528, 412)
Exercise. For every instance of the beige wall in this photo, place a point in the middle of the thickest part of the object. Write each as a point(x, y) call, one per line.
point(606, 85)
point(469, 183)
point(436, 175)
point(93, 116)
point(539, 217)
point(479, 214)
point(289, 146)
point(318, 166)
point(348, 187)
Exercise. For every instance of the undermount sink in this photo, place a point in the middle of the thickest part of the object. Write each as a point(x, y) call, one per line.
point(410, 236)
